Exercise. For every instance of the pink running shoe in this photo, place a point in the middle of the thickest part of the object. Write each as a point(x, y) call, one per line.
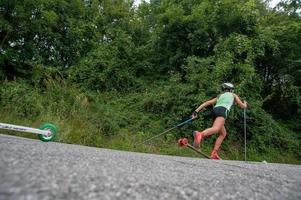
point(214, 155)
point(197, 139)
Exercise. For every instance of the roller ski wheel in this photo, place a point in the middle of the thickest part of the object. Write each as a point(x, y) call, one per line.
point(183, 142)
point(53, 131)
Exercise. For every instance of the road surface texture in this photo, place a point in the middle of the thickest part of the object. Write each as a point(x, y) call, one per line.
point(34, 170)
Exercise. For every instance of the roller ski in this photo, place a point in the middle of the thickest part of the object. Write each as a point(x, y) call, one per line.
point(46, 132)
point(183, 142)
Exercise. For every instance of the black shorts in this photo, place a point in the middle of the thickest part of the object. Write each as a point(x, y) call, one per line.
point(219, 111)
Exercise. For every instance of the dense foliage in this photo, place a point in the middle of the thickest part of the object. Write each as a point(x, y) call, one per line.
point(111, 74)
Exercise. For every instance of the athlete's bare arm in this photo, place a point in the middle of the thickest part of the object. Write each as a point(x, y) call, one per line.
point(205, 104)
point(239, 102)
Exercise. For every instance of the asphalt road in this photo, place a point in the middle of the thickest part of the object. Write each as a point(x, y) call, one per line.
point(31, 169)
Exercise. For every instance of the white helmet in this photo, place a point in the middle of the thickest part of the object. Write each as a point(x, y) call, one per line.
point(229, 86)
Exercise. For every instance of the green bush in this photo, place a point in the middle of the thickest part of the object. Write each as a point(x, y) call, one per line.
point(20, 99)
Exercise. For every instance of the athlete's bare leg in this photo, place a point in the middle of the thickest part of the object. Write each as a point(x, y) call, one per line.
point(218, 124)
point(221, 137)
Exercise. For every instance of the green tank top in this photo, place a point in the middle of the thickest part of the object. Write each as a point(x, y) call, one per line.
point(226, 100)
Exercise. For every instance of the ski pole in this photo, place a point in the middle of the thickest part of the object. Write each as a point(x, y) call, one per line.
point(245, 133)
point(166, 131)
